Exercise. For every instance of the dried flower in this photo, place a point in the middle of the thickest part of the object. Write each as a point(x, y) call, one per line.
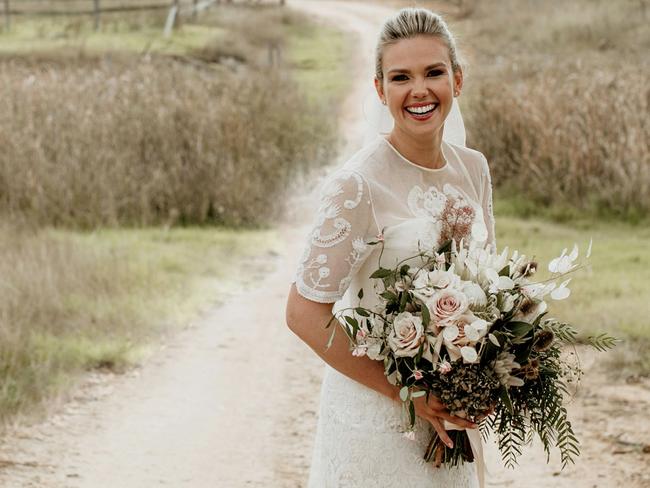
point(528, 269)
point(531, 370)
point(543, 340)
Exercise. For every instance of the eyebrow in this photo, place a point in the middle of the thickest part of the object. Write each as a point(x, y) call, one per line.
point(431, 66)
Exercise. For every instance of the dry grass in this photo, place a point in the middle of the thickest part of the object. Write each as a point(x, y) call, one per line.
point(93, 139)
point(576, 139)
point(155, 142)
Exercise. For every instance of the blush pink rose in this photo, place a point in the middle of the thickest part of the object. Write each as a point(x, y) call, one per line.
point(447, 305)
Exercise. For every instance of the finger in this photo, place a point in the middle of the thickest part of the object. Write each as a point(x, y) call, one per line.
point(457, 420)
point(437, 425)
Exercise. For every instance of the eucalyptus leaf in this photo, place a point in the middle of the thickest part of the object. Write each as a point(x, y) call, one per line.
point(404, 393)
point(381, 273)
point(389, 295)
point(362, 311)
point(403, 300)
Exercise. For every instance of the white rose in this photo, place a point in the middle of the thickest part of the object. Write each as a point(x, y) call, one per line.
point(406, 335)
point(475, 295)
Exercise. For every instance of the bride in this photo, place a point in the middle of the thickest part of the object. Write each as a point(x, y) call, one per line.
point(403, 189)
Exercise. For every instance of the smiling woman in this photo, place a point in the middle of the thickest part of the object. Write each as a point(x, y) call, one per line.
point(408, 191)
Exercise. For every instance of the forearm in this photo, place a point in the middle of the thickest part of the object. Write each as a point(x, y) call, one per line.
point(311, 329)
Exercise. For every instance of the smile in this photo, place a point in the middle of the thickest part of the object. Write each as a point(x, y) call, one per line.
point(422, 110)
point(422, 113)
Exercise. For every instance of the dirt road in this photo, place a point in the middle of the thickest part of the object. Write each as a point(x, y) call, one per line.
point(231, 401)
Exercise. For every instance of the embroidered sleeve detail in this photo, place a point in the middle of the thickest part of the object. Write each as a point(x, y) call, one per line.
point(336, 246)
point(342, 229)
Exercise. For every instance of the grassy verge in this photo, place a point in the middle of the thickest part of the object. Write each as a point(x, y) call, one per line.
point(75, 301)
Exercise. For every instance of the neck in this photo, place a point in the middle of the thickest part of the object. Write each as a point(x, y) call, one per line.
point(424, 151)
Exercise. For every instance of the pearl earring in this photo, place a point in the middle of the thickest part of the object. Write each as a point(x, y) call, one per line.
point(384, 102)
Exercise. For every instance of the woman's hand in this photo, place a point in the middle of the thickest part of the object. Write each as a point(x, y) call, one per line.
point(431, 409)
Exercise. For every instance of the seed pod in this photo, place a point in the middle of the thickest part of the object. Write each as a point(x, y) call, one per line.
point(528, 269)
point(543, 340)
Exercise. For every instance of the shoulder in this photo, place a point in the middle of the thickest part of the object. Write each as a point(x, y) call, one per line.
point(360, 169)
point(475, 161)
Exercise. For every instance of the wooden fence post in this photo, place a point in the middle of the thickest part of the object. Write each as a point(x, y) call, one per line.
point(170, 23)
point(7, 18)
point(195, 4)
point(96, 13)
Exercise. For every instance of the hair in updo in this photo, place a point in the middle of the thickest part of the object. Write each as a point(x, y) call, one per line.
point(411, 22)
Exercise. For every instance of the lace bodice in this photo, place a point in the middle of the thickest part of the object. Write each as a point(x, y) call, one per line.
point(378, 191)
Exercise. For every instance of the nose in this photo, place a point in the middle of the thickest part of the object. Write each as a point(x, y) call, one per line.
point(419, 87)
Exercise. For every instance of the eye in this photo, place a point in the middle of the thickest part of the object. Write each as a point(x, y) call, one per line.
point(398, 78)
point(435, 72)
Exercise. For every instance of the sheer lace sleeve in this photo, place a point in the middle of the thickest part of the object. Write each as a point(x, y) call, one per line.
point(337, 245)
point(486, 202)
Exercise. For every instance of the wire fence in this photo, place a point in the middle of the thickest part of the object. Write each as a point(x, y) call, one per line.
point(97, 8)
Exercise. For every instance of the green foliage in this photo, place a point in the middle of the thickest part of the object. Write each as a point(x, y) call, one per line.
point(602, 342)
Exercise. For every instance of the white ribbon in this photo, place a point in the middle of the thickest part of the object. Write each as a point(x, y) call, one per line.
point(477, 449)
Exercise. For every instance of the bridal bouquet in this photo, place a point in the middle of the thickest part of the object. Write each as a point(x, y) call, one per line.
point(471, 327)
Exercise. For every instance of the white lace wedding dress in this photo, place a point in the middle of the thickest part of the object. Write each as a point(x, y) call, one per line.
point(358, 442)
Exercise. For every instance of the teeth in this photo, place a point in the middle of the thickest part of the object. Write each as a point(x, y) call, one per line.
point(421, 110)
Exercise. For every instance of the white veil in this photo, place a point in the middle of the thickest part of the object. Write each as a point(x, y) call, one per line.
point(378, 120)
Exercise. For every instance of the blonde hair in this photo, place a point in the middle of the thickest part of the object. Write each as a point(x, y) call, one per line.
point(411, 22)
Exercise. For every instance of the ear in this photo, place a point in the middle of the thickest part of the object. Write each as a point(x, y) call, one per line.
point(379, 87)
point(458, 80)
